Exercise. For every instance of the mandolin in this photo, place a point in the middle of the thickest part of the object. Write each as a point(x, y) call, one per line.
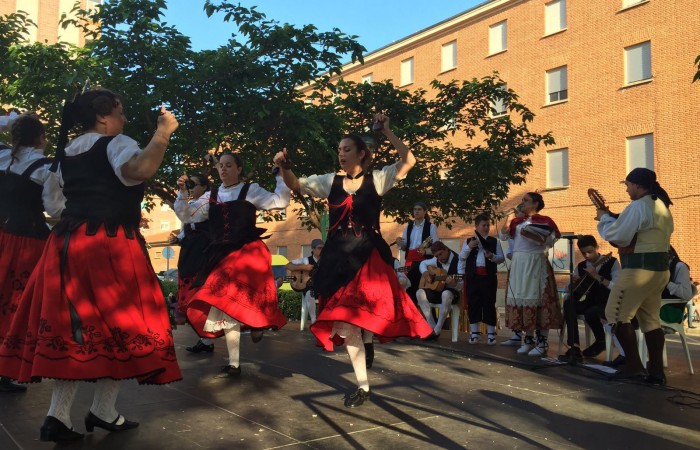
point(587, 281)
point(437, 278)
point(599, 201)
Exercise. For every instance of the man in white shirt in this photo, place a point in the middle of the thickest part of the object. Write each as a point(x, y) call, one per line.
point(448, 295)
point(308, 264)
point(413, 236)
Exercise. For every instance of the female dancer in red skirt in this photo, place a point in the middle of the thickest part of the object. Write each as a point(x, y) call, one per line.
point(93, 309)
point(235, 289)
point(28, 189)
point(356, 284)
point(191, 208)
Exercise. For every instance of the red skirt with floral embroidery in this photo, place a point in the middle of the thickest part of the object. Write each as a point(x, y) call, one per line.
point(242, 286)
point(374, 301)
point(105, 317)
point(18, 258)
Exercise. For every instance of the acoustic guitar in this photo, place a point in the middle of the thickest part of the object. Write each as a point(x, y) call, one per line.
point(437, 278)
point(599, 201)
point(587, 281)
point(300, 280)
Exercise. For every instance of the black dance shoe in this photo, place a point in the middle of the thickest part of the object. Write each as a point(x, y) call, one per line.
point(200, 347)
point(7, 385)
point(231, 371)
point(595, 349)
point(432, 337)
point(256, 335)
point(572, 356)
point(356, 399)
point(617, 362)
point(656, 380)
point(55, 430)
point(630, 375)
point(369, 354)
point(92, 421)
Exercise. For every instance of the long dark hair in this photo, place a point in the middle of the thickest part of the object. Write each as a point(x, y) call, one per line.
point(25, 130)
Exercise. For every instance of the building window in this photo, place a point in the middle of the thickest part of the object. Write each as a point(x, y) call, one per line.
point(282, 250)
point(638, 62)
point(448, 56)
point(557, 85)
point(367, 78)
point(497, 37)
point(558, 168)
point(554, 16)
point(305, 251)
point(640, 152)
point(406, 71)
point(165, 225)
point(498, 106)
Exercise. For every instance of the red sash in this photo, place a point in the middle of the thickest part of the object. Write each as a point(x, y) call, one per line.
point(413, 256)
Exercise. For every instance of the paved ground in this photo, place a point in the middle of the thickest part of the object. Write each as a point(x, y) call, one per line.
point(424, 395)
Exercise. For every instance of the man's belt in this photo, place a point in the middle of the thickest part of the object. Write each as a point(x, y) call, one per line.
point(657, 261)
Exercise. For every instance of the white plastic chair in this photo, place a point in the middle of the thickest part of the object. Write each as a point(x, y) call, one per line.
point(454, 316)
point(678, 328)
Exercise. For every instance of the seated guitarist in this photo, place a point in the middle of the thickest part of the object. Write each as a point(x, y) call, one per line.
point(592, 281)
point(447, 260)
point(308, 264)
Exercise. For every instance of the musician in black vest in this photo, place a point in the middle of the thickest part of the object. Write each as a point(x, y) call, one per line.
point(679, 287)
point(413, 236)
point(308, 264)
point(479, 259)
point(448, 260)
point(592, 281)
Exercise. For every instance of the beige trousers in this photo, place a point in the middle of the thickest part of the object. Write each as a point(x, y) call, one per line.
point(637, 292)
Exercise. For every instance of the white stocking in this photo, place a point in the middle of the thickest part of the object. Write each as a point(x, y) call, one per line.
point(356, 351)
point(103, 403)
point(424, 305)
point(233, 344)
point(446, 298)
point(61, 401)
point(310, 306)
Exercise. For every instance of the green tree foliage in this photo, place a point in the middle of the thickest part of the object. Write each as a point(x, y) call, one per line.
point(250, 96)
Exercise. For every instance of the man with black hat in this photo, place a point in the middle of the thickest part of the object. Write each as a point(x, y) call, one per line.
point(411, 242)
point(308, 264)
point(642, 232)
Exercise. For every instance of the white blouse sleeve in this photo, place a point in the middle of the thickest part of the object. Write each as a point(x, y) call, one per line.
point(263, 199)
point(192, 212)
point(385, 179)
point(317, 185)
point(120, 150)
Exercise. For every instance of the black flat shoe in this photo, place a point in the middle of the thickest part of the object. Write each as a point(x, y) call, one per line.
point(572, 356)
point(617, 362)
point(256, 335)
point(630, 375)
point(200, 347)
point(369, 354)
point(54, 430)
point(92, 421)
point(594, 350)
point(656, 380)
point(7, 385)
point(231, 371)
point(432, 337)
point(356, 399)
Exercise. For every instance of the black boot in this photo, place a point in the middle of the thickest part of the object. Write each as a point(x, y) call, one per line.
point(633, 367)
point(369, 354)
point(655, 344)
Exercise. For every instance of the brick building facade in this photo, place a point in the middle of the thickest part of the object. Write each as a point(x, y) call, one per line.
point(611, 79)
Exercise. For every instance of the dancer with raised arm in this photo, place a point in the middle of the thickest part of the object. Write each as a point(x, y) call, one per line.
point(355, 281)
point(93, 309)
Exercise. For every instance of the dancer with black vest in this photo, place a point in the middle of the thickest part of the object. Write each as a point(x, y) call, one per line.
point(194, 239)
point(28, 189)
point(235, 289)
point(356, 280)
point(93, 309)
point(414, 242)
point(642, 233)
point(479, 259)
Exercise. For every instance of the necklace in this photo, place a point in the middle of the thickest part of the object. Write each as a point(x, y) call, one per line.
point(362, 172)
point(231, 185)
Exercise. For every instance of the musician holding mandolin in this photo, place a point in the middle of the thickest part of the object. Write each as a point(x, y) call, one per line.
point(592, 281)
point(415, 241)
point(301, 272)
point(439, 284)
